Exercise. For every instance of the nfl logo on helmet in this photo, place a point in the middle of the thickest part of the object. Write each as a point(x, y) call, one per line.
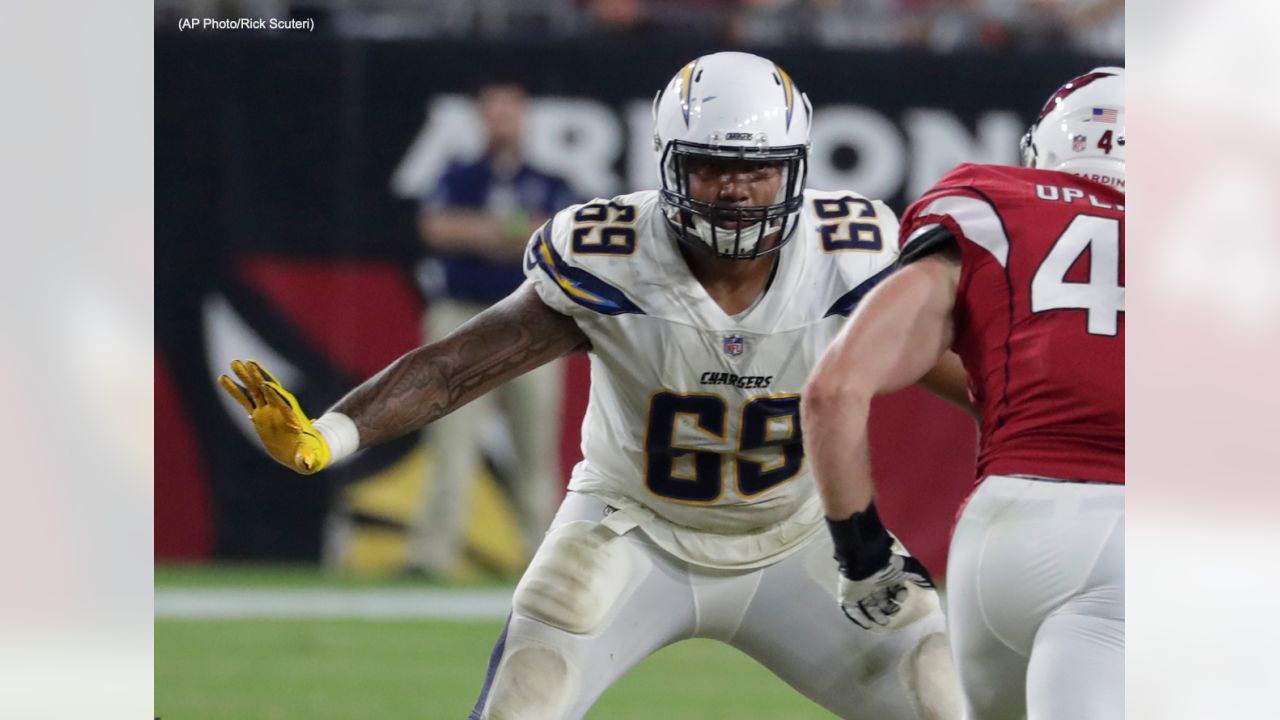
point(733, 345)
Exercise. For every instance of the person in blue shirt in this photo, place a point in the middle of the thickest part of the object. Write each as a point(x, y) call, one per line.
point(476, 222)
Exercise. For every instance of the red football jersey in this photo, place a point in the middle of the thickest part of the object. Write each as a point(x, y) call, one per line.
point(1039, 315)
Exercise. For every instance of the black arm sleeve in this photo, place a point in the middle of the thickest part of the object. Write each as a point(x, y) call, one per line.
point(862, 543)
point(938, 239)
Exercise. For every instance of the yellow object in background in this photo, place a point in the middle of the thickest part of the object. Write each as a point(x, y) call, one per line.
point(492, 536)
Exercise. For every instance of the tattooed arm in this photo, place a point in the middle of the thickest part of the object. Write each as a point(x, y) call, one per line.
point(514, 336)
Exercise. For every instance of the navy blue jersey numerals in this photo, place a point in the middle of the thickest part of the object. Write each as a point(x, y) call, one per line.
point(862, 232)
point(604, 229)
point(770, 422)
point(703, 484)
point(691, 475)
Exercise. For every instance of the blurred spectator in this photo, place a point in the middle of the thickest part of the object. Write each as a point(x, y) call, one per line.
point(615, 14)
point(709, 19)
point(862, 23)
point(772, 22)
point(1091, 26)
point(476, 223)
point(1097, 26)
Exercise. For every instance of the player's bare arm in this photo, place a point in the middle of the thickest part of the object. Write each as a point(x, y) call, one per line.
point(514, 336)
point(897, 336)
point(948, 381)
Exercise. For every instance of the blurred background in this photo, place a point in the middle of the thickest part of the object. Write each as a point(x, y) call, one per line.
point(329, 199)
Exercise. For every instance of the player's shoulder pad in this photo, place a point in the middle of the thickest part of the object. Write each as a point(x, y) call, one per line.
point(993, 182)
point(835, 204)
point(929, 240)
point(602, 228)
point(854, 238)
point(846, 220)
point(585, 252)
point(967, 203)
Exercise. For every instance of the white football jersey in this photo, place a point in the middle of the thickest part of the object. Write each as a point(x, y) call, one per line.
point(693, 425)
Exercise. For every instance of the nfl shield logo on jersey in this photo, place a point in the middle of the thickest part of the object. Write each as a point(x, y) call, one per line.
point(733, 345)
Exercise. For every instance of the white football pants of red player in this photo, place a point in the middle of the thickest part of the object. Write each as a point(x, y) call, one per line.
point(593, 604)
point(1035, 600)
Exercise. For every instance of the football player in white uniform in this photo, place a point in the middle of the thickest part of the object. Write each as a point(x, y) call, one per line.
point(704, 306)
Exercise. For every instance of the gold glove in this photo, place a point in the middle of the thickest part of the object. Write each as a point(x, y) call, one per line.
point(283, 428)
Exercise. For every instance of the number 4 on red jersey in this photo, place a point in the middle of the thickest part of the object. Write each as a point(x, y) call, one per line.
point(1039, 313)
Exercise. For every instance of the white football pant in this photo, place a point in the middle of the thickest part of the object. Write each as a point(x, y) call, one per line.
point(1035, 600)
point(593, 604)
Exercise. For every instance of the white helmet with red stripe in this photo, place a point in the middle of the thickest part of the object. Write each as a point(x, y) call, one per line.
point(1081, 129)
point(739, 106)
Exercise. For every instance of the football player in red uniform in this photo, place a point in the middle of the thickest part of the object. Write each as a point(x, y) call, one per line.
point(1021, 271)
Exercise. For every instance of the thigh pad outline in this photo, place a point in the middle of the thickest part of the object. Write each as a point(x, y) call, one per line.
point(576, 577)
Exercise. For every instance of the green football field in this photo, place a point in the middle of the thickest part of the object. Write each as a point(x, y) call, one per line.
point(321, 668)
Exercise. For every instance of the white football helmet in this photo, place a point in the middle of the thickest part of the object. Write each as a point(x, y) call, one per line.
point(1081, 129)
point(740, 106)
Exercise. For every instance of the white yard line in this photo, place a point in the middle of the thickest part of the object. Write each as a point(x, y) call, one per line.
point(379, 604)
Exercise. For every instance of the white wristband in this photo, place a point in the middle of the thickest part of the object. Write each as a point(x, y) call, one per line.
point(340, 432)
